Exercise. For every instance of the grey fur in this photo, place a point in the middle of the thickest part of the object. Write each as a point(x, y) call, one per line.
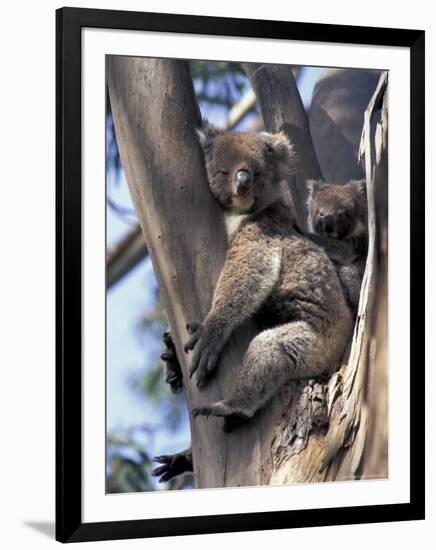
point(345, 206)
point(272, 272)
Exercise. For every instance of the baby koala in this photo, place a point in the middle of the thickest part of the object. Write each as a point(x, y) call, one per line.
point(338, 221)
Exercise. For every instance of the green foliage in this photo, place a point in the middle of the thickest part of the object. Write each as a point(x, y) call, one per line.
point(127, 474)
point(218, 82)
point(152, 385)
point(129, 463)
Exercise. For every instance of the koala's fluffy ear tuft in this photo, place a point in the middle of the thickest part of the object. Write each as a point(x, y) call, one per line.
point(313, 186)
point(359, 186)
point(206, 135)
point(278, 144)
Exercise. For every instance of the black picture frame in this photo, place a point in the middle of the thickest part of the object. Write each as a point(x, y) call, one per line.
point(69, 525)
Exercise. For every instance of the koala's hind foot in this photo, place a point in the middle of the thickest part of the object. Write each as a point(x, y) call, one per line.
point(232, 416)
point(173, 465)
point(173, 371)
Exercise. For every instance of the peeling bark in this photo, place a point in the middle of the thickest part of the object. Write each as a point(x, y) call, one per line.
point(355, 443)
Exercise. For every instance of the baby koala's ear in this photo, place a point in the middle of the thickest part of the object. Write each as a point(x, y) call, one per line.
point(206, 136)
point(313, 186)
point(359, 186)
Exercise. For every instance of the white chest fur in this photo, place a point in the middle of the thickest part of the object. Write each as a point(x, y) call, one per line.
point(233, 221)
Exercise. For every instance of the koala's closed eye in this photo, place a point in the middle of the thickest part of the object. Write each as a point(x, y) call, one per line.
point(222, 173)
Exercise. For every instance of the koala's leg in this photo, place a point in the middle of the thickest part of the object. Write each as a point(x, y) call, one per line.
point(274, 357)
point(172, 368)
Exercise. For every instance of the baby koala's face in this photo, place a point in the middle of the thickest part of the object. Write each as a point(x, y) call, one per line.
point(244, 169)
point(337, 211)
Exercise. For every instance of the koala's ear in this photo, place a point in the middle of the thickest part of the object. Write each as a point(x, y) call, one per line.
point(359, 186)
point(280, 146)
point(313, 186)
point(282, 152)
point(206, 135)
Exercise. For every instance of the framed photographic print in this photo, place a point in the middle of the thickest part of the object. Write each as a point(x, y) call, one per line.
point(240, 274)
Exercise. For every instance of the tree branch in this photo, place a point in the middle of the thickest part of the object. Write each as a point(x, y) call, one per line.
point(125, 255)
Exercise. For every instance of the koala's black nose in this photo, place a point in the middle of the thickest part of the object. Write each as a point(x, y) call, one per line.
point(319, 225)
point(242, 180)
point(329, 224)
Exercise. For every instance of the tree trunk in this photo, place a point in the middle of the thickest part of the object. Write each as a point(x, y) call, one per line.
point(155, 116)
point(339, 100)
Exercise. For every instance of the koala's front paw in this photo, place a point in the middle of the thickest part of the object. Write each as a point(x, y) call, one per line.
point(208, 343)
point(204, 410)
point(173, 371)
point(205, 360)
point(172, 465)
point(194, 329)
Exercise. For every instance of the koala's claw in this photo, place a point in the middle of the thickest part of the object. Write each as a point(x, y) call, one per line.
point(207, 342)
point(192, 327)
point(167, 339)
point(172, 465)
point(163, 472)
point(204, 361)
point(191, 343)
point(173, 372)
point(204, 374)
point(232, 419)
point(194, 330)
point(205, 410)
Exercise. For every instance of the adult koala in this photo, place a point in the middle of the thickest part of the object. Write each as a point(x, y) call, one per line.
point(271, 271)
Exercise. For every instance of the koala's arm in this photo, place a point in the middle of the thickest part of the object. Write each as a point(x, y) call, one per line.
point(250, 271)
